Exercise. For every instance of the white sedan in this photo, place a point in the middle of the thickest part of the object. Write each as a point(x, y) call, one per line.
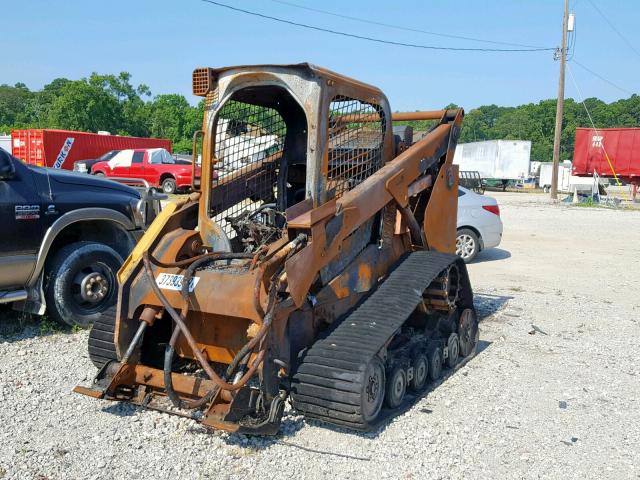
point(479, 224)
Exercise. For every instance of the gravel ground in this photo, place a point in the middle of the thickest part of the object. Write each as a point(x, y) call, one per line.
point(552, 394)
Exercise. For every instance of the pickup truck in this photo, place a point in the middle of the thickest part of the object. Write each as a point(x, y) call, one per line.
point(154, 165)
point(85, 166)
point(64, 237)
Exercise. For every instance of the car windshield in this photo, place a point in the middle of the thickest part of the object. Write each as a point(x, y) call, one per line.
point(121, 159)
point(107, 156)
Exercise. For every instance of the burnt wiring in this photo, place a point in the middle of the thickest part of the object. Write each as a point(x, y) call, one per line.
point(259, 227)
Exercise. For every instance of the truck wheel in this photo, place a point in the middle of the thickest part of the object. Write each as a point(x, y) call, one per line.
point(98, 174)
point(169, 185)
point(102, 348)
point(467, 244)
point(81, 282)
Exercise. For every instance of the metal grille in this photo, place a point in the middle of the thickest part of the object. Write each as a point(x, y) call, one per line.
point(200, 81)
point(249, 142)
point(355, 146)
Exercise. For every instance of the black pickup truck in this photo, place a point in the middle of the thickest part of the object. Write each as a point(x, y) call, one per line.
point(63, 237)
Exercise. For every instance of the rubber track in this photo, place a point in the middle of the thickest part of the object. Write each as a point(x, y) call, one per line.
point(101, 346)
point(327, 382)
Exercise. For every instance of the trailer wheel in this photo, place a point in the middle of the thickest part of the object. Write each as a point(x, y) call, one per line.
point(545, 189)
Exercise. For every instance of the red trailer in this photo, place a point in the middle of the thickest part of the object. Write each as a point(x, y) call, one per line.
point(606, 150)
point(60, 148)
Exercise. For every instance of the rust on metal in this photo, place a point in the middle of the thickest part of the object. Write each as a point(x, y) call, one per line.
point(304, 206)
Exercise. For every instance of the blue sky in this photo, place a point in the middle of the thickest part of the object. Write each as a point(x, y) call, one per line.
point(161, 41)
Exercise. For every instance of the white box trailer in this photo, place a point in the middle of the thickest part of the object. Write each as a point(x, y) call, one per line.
point(564, 176)
point(567, 183)
point(5, 142)
point(495, 159)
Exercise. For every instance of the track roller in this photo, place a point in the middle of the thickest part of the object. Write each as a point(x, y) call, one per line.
point(420, 372)
point(396, 387)
point(453, 350)
point(435, 363)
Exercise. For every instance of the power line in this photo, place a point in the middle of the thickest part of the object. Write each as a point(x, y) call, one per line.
point(373, 39)
point(602, 78)
point(399, 27)
point(613, 27)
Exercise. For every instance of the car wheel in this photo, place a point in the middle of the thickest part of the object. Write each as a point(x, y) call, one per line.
point(467, 244)
point(169, 185)
point(81, 282)
point(98, 174)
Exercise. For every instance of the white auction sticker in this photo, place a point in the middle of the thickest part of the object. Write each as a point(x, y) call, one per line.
point(64, 152)
point(170, 281)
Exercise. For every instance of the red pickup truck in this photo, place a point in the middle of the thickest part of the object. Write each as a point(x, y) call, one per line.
point(155, 165)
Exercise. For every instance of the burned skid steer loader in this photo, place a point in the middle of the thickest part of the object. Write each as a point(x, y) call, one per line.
point(314, 261)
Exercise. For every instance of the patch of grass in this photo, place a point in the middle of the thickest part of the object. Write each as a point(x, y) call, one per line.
point(14, 322)
point(48, 326)
point(77, 328)
point(589, 203)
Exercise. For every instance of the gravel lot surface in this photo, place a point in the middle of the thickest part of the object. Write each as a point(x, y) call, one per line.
point(554, 392)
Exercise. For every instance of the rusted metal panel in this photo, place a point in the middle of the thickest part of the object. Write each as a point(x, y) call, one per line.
point(360, 207)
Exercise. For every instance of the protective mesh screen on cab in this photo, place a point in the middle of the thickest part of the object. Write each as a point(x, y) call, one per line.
point(356, 140)
point(249, 142)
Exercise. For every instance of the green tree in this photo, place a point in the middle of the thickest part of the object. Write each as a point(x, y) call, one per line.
point(85, 107)
point(168, 116)
point(134, 109)
point(13, 102)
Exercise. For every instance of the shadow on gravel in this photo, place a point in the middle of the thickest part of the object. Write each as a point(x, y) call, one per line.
point(122, 409)
point(16, 326)
point(492, 254)
point(487, 304)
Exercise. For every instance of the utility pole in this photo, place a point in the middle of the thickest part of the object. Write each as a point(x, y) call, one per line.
point(560, 104)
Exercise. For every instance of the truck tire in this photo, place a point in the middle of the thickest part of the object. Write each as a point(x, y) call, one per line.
point(467, 244)
point(98, 174)
point(81, 282)
point(169, 185)
point(102, 348)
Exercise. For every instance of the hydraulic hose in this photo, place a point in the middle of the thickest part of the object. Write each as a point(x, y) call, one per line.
point(170, 350)
point(191, 341)
point(243, 354)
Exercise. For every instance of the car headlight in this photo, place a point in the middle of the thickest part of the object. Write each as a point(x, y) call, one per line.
point(80, 167)
point(138, 209)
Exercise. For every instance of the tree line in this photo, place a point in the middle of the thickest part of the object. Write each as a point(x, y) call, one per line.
point(113, 103)
point(101, 102)
point(536, 122)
